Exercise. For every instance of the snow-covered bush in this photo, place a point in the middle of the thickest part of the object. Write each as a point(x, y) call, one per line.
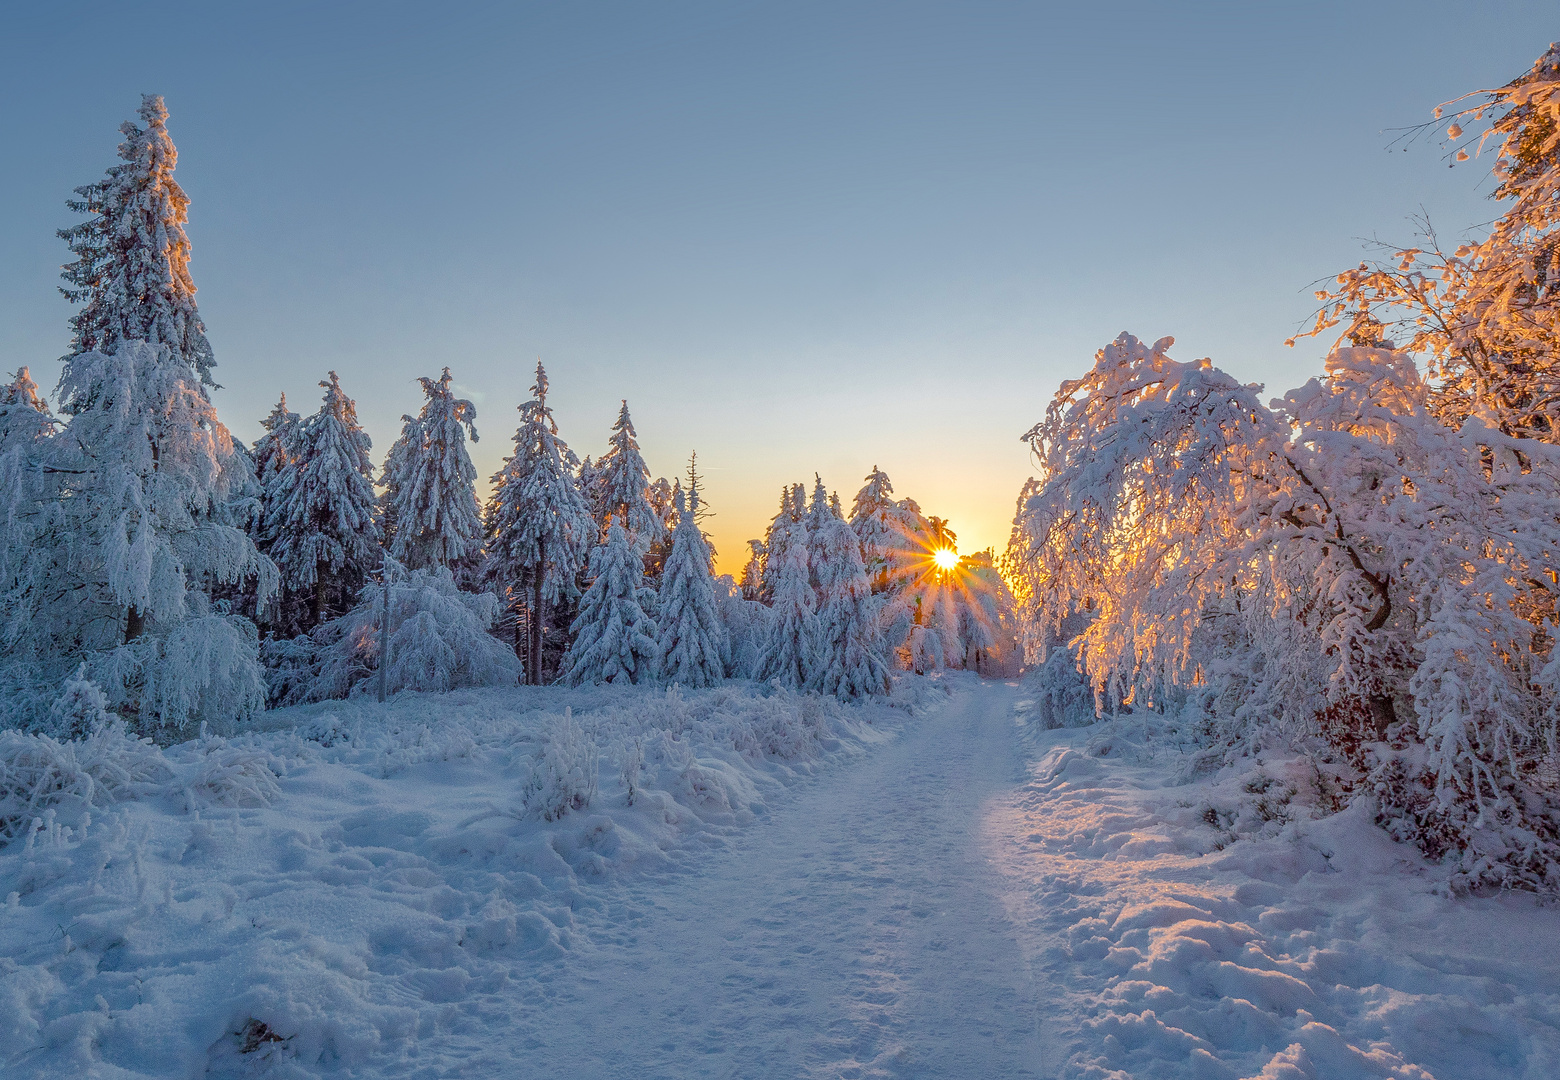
point(38, 773)
point(81, 709)
point(1062, 696)
point(1340, 563)
point(747, 629)
point(204, 670)
point(439, 641)
point(227, 775)
point(564, 772)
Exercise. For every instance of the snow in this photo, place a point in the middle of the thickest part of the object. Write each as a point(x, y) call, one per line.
point(1218, 927)
point(940, 886)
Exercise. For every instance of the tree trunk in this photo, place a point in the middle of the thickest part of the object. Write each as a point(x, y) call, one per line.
point(321, 568)
point(135, 623)
point(1382, 714)
point(538, 620)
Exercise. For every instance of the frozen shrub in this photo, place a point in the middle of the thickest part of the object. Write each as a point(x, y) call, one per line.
point(81, 709)
point(439, 641)
point(227, 775)
point(633, 762)
point(1063, 697)
point(37, 773)
point(563, 776)
point(204, 670)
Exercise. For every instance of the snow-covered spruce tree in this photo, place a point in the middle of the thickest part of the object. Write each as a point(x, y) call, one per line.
point(140, 534)
point(790, 655)
point(269, 457)
point(663, 497)
point(25, 419)
point(274, 450)
point(850, 663)
point(538, 524)
point(131, 273)
point(624, 485)
point(588, 476)
point(781, 530)
point(885, 529)
point(753, 570)
point(819, 513)
point(430, 497)
point(321, 521)
point(692, 641)
point(614, 640)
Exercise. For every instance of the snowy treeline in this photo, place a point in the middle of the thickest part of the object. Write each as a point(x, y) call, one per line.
point(1367, 563)
point(186, 579)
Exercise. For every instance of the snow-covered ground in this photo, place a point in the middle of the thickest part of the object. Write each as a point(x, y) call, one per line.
point(797, 890)
point(1213, 926)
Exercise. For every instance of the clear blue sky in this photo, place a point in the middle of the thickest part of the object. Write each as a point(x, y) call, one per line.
point(798, 237)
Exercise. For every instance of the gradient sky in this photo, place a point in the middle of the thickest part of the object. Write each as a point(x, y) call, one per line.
point(797, 237)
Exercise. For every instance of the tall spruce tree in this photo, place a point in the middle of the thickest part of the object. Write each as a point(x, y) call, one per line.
point(790, 654)
point(322, 525)
point(614, 640)
point(624, 485)
point(136, 535)
point(753, 570)
point(850, 660)
point(131, 273)
point(431, 517)
point(692, 638)
point(538, 524)
point(879, 523)
point(792, 512)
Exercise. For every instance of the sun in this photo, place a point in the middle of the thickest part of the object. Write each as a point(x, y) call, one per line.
point(945, 558)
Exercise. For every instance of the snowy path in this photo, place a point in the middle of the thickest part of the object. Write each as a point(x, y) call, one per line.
point(854, 932)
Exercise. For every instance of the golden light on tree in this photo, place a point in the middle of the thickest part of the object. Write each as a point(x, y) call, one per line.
point(945, 558)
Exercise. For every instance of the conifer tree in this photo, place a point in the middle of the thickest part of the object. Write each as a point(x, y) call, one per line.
point(322, 524)
point(613, 637)
point(790, 656)
point(589, 477)
point(885, 528)
point(140, 535)
point(538, 525)
point(25, 419)
point(692, 638)
point(793, 511)
point(275, 449)
point(819, 514)
point(625, 485)
point(850, 662)
point(753, 571)
point(131, 273)
point(270, 456)
point(430, 485)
